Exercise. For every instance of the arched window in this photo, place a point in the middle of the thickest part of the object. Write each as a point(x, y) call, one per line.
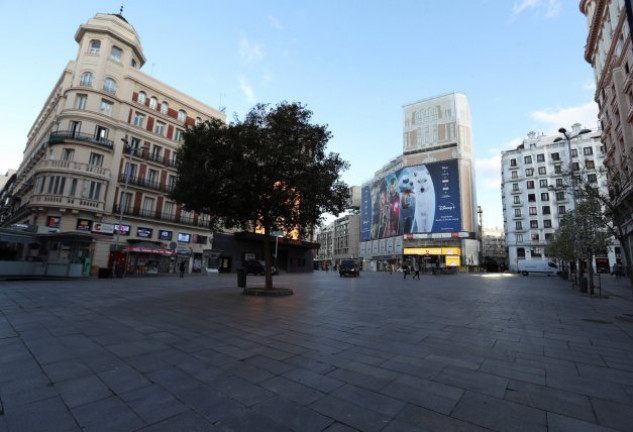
point(109, 85)
point(86, 79)
point(164, 107)
point(153, 102)
point(141, 97)
point(116, 54)
point(95, 46)
point(182, 115)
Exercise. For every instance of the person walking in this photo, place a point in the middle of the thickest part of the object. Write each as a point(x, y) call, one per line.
point(182, 268)
point(405, 270)
point(416, 269)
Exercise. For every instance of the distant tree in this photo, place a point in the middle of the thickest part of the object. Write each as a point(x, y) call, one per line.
point(269, 171)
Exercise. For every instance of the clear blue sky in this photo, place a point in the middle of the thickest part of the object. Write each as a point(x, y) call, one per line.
point(353, 63)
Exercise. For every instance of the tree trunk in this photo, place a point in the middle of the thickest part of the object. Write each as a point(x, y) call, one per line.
point(267, 257)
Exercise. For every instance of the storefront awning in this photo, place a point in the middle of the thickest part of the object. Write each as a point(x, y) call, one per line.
point(136, 249)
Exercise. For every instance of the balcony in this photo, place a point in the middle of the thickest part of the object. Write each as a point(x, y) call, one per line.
point(144, 154)
point(147, 184)
point(77, 168)
point(67, 202)
point(159, 216)
point(61, 137)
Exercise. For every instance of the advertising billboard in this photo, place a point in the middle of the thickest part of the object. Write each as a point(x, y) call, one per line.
point(415, 199)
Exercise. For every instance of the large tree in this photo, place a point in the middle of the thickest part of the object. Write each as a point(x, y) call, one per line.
point(269, 171)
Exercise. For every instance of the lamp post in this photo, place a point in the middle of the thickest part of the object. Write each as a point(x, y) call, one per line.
point(568, 138)
point(480, 213)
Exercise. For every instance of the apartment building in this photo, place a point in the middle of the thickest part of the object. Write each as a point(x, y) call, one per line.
point(536, 188)
point(100, 157)
point(610, 52)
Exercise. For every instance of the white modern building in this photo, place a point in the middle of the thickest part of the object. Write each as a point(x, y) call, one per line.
point(536, 188)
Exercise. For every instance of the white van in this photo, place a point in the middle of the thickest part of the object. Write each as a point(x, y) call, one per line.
point(537, 266)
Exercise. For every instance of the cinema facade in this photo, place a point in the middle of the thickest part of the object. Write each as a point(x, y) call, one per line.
point(420, 208)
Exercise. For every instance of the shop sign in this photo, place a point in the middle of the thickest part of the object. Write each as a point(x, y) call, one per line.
point(53, 221)
point(165, 235)
point(102, 228)
point(122, 229)
point(144, 232)
point(83, 225)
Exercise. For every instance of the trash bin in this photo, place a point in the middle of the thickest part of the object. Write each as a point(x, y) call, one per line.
point(584, 284)
point(241, 278)
point(104, 273)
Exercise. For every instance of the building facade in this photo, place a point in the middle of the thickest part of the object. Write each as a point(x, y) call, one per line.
point(421, 206)
point(610, 52)
point(536, 189)
point(100, 157)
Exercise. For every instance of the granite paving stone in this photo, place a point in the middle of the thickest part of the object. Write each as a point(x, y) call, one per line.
point(464, 352)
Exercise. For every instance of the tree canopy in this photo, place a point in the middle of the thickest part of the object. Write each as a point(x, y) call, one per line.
point(270, 171)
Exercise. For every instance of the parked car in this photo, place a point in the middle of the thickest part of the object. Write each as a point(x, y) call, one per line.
point(348, 267)
point(258, 267)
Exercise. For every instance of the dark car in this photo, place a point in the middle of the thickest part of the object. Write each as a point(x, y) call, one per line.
point(257, 267)
point(348, 268)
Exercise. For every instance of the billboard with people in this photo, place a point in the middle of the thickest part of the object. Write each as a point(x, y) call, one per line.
point(415, 199)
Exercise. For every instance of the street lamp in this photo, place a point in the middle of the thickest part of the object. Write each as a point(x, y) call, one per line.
point(568, 138)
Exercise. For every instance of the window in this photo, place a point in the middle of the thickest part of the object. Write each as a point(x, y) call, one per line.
point(86, 79)
point(139, 119)
point(513, 162)
point(529, 172)
point(557, 169)
point(515, 187)
point(159, 128)
point(544, 196)
point(535, 237)
point(537, 252)
point(547, 223)
point(95, 46)
point(549, 236)
point(560, 196)
point(133, 63)
point(125, 200)
point(171, 183)
point(533, 224)
point(589, 164)
point(152, 177)
point(587, 151)
point(527, 159)
point(116, 54)
point(542, 183)
point(531, 197)
point(148, 204)
point(109, 85)
point(142, 97)
point(81, 101)
point(540, 157)
point(530, 184)
point(515, 174)
point(101, 133)
point(153, 102)
point(164, 107)
point(561, 210)
point(521, 252)
point(559, 182)
point(518, 225)
point(592, 178)
point(575, 166)
point(546, 210)
point(519, 238)
point(96, 160)
point(532, 211)
point(517, 212)
point(168, 210)
point(542, 170)
point(182, 115)
point(517, 199)
point(179, 135)
point(106, 107)
point(73, 188)
point(56, 185)
point(91, 190)
point(130, 170)
point(157, 152)
point(68, 154)
point(574, 153)
point(555, 157)
point(75, 127)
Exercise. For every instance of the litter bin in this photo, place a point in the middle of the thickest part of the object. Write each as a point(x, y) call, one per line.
point(241, 278)
point(104, 273)
point(584, 284)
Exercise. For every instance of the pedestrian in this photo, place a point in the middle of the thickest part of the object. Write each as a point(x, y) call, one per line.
point(182, 268)
point(416, 268)
point(405, 270)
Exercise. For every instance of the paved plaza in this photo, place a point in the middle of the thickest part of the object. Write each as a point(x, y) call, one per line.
point(465, 352)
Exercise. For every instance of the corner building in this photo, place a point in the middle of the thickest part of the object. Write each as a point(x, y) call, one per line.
point(100, 157)
point(420, 208)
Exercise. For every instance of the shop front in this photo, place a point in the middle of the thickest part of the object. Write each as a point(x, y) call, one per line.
point(138, 260)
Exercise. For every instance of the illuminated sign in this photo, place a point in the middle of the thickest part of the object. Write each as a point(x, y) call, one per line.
point(102, 228)
point(165, 235)
point(144, 232)
point(53, 221)
point(83, 225)
point(122, 229)
point(184, 237)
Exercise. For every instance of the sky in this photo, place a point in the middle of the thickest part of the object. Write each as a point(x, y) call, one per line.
point(353, 63)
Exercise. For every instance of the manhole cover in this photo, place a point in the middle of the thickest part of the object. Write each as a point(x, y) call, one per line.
point(597, 321)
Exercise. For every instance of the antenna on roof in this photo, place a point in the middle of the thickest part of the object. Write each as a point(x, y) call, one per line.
point(121, 10)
